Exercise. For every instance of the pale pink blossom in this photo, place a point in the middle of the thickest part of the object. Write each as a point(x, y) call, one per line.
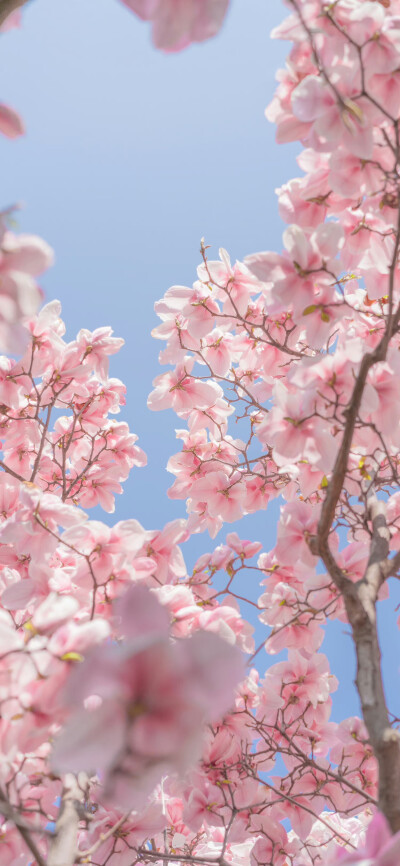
point(333, 123)
point(381, 847)
point(180, 390)
point(272, 844)
point(177, 23)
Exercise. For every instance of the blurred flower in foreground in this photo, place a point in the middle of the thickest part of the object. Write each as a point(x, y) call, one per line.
point(178, 23)
point(147, 700)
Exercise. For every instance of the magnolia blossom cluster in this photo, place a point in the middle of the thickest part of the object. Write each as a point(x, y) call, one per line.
point(104, 628)
point(279, 340)
point(59, 576)
point(55, 404)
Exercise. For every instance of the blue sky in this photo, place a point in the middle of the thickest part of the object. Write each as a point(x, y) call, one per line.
point(130, 157)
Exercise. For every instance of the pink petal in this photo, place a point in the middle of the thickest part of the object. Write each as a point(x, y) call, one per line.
point(19, 594)
point(378, 833)
point(11, 124)
point(90, 741)
point(142, 615)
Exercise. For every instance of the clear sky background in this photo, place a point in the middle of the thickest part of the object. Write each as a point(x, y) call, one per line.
point(130, 157)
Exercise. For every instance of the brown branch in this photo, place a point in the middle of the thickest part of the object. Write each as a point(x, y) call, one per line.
point(83, 855)
point(335, 486)
point(11, 472)
point(42, 442)
point(185, 858)
point(385, 740)
point(318, 817)
point(360, 599)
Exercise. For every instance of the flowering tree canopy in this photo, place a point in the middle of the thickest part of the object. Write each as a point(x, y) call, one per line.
point(139, 723)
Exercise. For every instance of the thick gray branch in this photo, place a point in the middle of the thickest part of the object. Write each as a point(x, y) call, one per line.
point(63, 847)
point(384, 739)
point(375, 572)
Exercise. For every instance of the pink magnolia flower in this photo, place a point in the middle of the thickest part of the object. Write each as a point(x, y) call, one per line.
point(279, 111)
point(384, 379)
point(272, 846)
point(309, 679)
point(381, 848)
point(117, 851)
point(381, 54)
point(26, 254)
point(205, 805)
point(177, 23)
point(351, 745)
point(295, 278)
point(180, 390)
point(233, 284)
point(294, 432)
point(298, 521)
point(163, 548)
point(351, 175)
point(245, 549)
point(216, 352)
point(55, 611)
point(363, 21)
point(386, 89)
point(186, 311)
point(334, 123)
point(214, 417)
point(291, 629)
point(97, 346)
point(100, 489)
point(227, 622)
point(32, 529)
point(13, 849)
point(222, 495)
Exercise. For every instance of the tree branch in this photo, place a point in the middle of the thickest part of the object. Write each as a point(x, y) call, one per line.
point(360, 598)
point(83, 855)
point(375, 575)
point(385, 740)
point(63, 847)
point(9, 812)
point(336, 483)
